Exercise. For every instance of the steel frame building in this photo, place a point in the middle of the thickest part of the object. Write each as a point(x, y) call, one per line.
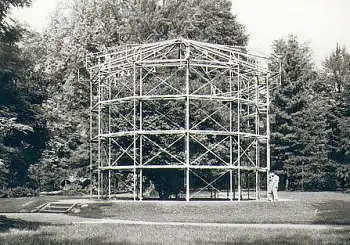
point(182, 105)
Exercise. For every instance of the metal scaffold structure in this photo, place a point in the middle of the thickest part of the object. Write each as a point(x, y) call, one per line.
point(200, 110)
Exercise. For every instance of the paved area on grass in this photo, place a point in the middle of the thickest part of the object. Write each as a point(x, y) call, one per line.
point(68, 219)
point(89, 201)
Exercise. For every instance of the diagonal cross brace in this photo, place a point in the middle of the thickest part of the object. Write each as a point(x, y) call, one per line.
point(161, 151)
point(124, 117)
point(244, 152)
point(164, 81)
point(204, 112)
point(209, 150)
point(210, 116)
point(208, 184)
point(209, 81)
point(124, 151)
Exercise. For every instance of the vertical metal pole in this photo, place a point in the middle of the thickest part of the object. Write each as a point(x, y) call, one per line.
point(91, 119)
point(268, 154)
point(99, 132)
point(234, 188)
point(257, 185)
point(231, 141)
point(134, 129)
point(247, 183)
point(248, 107)
point(109, 139)
point(188, 124)
point(102, 182)
point(141, 138)
point(257, 156)
point(239, 130)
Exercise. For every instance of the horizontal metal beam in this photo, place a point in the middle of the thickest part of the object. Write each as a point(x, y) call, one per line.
point(180, 132)
point(181, 96)
point(131, 167)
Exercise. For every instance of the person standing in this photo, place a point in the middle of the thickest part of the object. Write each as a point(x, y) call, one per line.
point(272, 189)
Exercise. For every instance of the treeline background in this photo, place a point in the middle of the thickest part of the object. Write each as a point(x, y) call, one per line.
point(44, 107)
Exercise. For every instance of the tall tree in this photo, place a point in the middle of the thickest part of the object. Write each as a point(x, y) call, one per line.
point(299, 132)
point(336, 75)
point(84, 26)
point(22, 131)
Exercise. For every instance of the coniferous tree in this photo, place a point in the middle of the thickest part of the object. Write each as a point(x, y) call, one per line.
point(336, 75)
point(298, 127)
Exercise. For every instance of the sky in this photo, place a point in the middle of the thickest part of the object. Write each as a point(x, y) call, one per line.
point(37, 15)
point(320, 23)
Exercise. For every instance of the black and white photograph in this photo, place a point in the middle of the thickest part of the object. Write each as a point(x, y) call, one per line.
point(214, 122)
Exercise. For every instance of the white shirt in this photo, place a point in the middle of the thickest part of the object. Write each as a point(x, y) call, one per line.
point(274, 181)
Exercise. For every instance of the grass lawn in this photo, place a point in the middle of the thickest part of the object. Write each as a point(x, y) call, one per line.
point(333, 212)
point(26, 204)
point(237, 212)
point(7, 224)
point(108, 234)
point(303, 208)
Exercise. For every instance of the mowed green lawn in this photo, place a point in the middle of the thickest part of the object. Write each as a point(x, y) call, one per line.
point(26, 204)
point(108, 234)
point(212, 212)
point(301, 208)
point(298, 208)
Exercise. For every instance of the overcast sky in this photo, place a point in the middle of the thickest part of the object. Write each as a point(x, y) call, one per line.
point(321, 23)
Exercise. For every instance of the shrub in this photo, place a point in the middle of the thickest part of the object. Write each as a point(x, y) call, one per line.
point(19, 192)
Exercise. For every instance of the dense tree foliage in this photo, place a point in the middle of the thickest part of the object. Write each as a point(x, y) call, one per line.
point(310, 136)
point(79, 27)
point(44, 95)
point(336, 75)
point(22, 129)
point(299, 128)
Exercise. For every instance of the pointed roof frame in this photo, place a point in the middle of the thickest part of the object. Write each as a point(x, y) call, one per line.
point(124, 56)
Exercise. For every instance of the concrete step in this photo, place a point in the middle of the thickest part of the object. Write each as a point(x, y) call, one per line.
point(57, 204)
point(53, 211)
point(56, 207)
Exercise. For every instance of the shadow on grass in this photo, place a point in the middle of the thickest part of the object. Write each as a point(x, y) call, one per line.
point(50, 239)
point(94, 210)
point(341, 237)
point(6, 224)
point(335, 212)
point(108, 234)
